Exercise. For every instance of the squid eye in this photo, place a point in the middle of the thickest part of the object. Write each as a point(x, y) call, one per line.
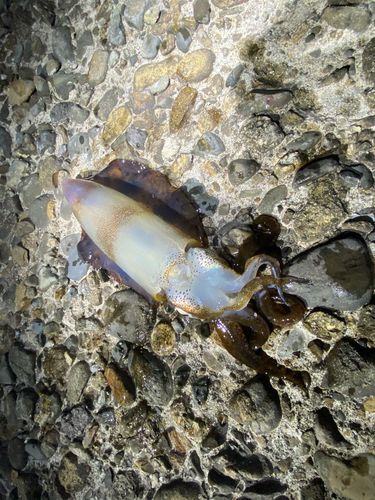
point(179, 274)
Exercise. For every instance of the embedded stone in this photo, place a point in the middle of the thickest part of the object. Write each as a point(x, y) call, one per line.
point(181, 106)
point(197, 66)
point(116, 124)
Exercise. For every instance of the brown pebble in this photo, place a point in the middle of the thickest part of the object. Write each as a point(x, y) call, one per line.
point(163, 339)
point(116, 383)
point(181, 106)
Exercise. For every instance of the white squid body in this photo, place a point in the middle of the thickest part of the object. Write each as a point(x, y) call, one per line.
point(163, 261)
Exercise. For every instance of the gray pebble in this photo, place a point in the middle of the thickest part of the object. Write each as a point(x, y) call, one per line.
point(106, 416)
point(77, 379)
point(69, 242)
point(74, 422)
point(28, 145)
point(127, 315)
point(5, 143)
point(33, 448)
point(206, 203)
point(79, 144)
point(64, 84)
point(235, 75)
point(183, 40)
point(241, 170)
point(47, 278)
point(64, 112)
point(150, 46)
point(26, 402)
point(50, 442)
point(29, 189)
point(134, 13)
point(361, 173)
point(46, 142)
point(38, 108)
point(160, 85)
point(356, 18)
point(106, 104)
point(136, 138)
point(202, 11)
point(62, 45)
point(341, 273)
point(41, 86)
point(152, 376)
point(77, 268)
point(210, 144)
point(22, 363)
point(7, 377)
point(271, 198)
point(84, 41)
point(38, 211)
point(307, 141)
point(314, 170)
point(116, 32)
point(17, 454)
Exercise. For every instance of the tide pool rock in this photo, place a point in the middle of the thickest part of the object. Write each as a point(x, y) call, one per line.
point(341, 272)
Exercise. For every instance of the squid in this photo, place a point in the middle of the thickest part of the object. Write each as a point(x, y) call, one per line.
point(168, 264)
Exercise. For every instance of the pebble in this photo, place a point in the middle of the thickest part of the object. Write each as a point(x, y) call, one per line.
point(64, 83)
point(106, 104)
point(327, 432)
point(210, 144)
point(80, 144)
point(46, 142)
point(262, 101)
point(73, 475)
point(7, 377)
point(152, 376)
point(47, 278)
point(7, 337)
point(132, 422)
point(351, 479)
point(148, 74)
point(206, 203)
point(341, 274)
point(17, 454)
point(127, 315)
point(200, 389)
point(183, 40)
point(26, 403)
point(20, 255)
point(117, 122)
point(183, 103)
point(41, 211)
point(77, 267)
point(163, 339)
point(161, 85)
point(208, 120)
point(22, 363)
point(168, 44)
point(33, 448)
point(257, 405)
point(116, 31)
point(84, 41)
point(48, 409)
point(196, 66)
point(367, 61)
point(179, 490)
point(49, 443)
point(52, 67)
point(136, 138)
point(29, 188)
point(74, 422)
point(78, 377)
point(361, 173)
point(272, 198)
point(134, 13)
point(41, 86)
point(234, 76)
point(202, 11)
point(98, 67)
point(314, 170)
point(38, 108)
point(5, 143)
point(19, 91)
point(69, 242)
point(356, 18)
point(62, 45)
point(28, 145)
point(121, 385)
point(65, 112)
point(150, 46)
point(241, 170)
point(307, 141)
point(152, 15)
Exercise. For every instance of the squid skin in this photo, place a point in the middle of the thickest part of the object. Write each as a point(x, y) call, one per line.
point(162, 260)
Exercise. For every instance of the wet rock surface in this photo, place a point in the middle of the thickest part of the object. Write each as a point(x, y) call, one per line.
point(250, 107)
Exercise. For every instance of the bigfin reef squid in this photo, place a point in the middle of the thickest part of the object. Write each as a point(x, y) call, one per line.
point(149, 234)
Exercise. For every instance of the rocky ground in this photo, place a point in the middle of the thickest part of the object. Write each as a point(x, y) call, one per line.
point(252, 107)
